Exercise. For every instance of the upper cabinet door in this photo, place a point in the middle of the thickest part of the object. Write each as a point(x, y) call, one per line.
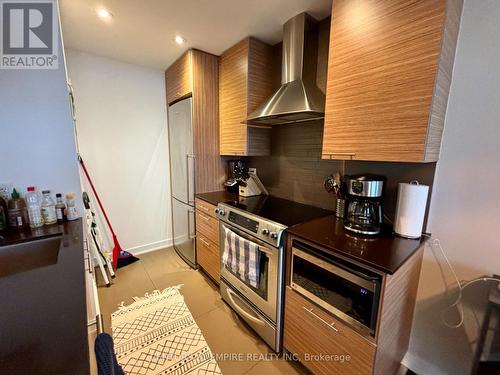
point(179, 78)
point(389, 73)
point(233, 84)
point(245, 81)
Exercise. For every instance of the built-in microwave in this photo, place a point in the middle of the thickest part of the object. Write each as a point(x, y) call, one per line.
point(348, 291)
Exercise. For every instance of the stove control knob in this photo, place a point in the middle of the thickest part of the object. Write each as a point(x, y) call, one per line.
point(221, 212)
point(217, 210)
point(265, 232)
point(273, 235)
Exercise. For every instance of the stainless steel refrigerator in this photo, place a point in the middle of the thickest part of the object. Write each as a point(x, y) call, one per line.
point(182, 164)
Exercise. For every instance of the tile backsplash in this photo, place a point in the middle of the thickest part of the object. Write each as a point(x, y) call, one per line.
point(296, 171)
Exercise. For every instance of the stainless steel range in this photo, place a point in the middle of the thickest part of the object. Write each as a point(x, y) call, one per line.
point(261, 220)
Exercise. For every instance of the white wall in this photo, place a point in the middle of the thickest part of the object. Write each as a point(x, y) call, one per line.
point(465, 207)
point(122, 131)
point(36, 132)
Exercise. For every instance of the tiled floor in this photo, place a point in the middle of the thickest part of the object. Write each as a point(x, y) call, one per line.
point(223, 330)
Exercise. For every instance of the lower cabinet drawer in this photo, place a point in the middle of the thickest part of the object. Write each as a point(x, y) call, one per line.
point(205, 207)
point(208, 226)
point(322, 343)
point(207, 254)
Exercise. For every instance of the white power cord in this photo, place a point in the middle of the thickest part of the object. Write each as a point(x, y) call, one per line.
point(461, 287)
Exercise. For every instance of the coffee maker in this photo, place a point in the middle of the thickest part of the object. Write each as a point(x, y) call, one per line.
point(364, 212)
point(236, 171)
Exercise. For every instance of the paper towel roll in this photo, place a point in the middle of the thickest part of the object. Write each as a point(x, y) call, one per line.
point(410, 209)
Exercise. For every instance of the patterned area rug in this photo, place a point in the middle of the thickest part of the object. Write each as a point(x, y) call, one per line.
point(158, 335)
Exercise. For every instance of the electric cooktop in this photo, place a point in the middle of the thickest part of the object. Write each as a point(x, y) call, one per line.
point(281, 211)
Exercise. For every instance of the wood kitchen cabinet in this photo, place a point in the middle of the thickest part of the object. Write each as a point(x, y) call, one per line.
point(179, 78)
point(245, 81)
point(389, 74)
point(311, 332)
point(306, 333)
point(207, 239)
point(195, 74)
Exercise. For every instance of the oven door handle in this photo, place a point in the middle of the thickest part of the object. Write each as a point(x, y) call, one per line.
point(262, 247)
point(252, 318)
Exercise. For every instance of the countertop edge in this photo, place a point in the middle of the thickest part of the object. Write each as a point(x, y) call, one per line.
point(419, 244)
point(216, 197)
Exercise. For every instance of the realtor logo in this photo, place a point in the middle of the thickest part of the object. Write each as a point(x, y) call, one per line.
point(29, 36)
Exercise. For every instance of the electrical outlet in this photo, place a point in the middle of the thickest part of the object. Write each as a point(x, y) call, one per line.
point(252, 170)
point(6, 190)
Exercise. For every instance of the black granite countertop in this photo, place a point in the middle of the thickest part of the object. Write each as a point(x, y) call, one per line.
point(43, 316)
point(217, 197)
point(385, 252)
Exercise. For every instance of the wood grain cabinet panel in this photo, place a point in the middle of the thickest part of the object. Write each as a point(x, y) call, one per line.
point(207, 225)
point(308, 330)
point(245, 81)
point(207, 239)
point(205, 207)
point(196, 74)
point(179, 78)
point(389, 74)
point(207, 254)
point(308, 335)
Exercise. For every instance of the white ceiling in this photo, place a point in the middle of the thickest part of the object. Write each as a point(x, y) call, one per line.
point(142, 31)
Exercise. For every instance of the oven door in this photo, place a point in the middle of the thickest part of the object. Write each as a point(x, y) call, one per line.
point(265, 296)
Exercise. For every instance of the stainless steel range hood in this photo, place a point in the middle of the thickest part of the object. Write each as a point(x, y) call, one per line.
point(298, 99)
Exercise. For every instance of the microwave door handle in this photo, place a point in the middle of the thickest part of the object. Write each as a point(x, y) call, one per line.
point(336, 264)
point(373, 279)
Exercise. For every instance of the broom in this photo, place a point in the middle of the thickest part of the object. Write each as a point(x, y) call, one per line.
point(121, 258)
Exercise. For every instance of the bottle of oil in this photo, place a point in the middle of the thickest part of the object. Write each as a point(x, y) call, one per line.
point(60, 209)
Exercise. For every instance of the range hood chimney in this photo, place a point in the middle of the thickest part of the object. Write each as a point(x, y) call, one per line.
point(298, 98)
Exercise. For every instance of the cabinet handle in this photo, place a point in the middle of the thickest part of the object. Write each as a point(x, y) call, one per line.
point(204, 208)
point(333, 154)
point(330, 325)
point(207, 244)
point(99, 323)
point(90, 265)
point(206, 218)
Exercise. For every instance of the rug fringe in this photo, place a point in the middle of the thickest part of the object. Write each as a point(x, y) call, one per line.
point(147, 296)
point(157, 293)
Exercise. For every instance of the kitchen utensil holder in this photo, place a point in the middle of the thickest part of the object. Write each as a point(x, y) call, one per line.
point(340, 208)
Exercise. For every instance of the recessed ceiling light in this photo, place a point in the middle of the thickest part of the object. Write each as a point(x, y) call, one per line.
point(179, 40)
point(104, 13)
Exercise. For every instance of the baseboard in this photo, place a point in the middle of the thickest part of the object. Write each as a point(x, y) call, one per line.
point(420, 366)
point(153, 246)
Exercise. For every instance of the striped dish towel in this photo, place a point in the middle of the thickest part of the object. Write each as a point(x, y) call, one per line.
point(242, 257)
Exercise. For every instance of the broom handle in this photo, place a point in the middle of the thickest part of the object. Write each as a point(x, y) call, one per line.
point(95, 193)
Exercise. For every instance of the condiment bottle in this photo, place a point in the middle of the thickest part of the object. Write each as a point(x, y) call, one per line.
point(3, 214)
point(34, 205)
point(60, 209)
point(71, 209)
point(17, 211)
point(48, 209)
